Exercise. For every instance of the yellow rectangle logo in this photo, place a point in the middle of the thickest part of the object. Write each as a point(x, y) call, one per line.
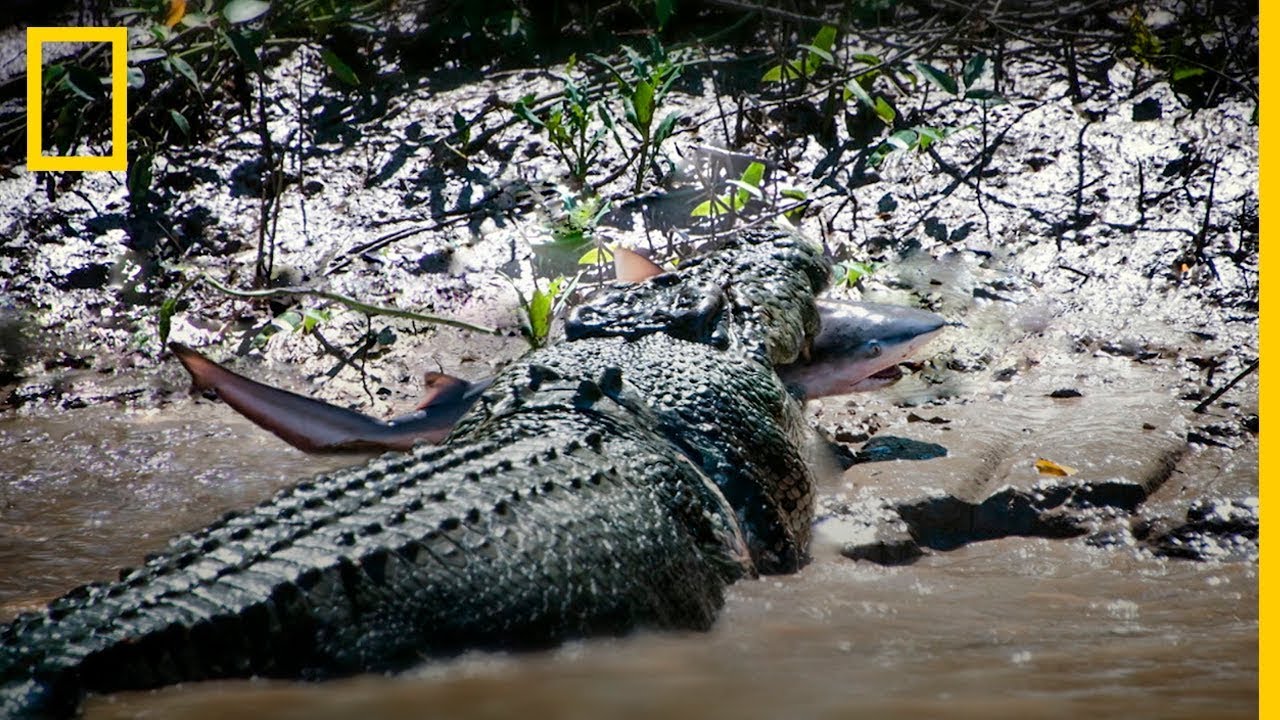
point(119, 39)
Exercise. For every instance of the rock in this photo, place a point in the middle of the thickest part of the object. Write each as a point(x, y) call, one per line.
point(973, 478)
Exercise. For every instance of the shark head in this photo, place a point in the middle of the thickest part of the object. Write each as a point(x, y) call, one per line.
point(859, 347)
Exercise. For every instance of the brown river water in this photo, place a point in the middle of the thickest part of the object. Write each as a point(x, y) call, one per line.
point(1016, 627)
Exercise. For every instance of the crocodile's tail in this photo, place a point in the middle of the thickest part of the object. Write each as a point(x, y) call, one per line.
point(553, 523)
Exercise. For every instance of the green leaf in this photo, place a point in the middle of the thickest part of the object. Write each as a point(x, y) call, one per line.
point(145, 54)
point(163, 317)
point(664, 9)
point(745, 190)
point(789, 70)
point(185, 70)
point(1182, 73)
point(753, 174)
point(642, 99)
point(853, 88)
point(929, 135)
point(84, 83)
point(595, 256)
point(312, 318)
point(521, 109)
point(180, 121)
point(885, 111)
point(944, 81)
point(973, 68)
point(665, 127)
point(242, 11)
point(825, 40)
point(244, 50)
point(795, 213)
point(53, 73)
point(867, 58)
point(540, 315)
point(711, 208)
point(138, 179)
point(903, 139)
point(817, 52)
point(134, 77)
point(849, 272)
point(990, 97)
point(340, 69)
point(287, 321)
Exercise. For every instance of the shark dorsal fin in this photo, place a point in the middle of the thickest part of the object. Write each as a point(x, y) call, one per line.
point(438, 388)
point(631, 266)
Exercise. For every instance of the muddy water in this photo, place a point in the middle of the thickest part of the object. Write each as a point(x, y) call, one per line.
point(1018, 627)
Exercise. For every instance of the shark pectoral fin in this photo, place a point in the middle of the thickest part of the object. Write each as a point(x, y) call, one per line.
point(631, 266)
point(310, 425)
point(878, 380)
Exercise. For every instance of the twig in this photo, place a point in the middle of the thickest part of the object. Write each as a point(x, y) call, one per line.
point(1209, 400)
point(352, 303)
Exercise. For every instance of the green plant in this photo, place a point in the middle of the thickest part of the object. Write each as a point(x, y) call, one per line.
point(849, 272)
point(921, 137)
point(643, 91)
point(572, 230)
point(918, 138)
point(807, 64)
point(300, 319)
point(568, 124)
point(1197, 55)
point(801, 197)
point(745, 187)
point(538, 311)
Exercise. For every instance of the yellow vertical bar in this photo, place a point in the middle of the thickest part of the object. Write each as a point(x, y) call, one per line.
point(35, 123)
point(119, 99)
point(1268, 452)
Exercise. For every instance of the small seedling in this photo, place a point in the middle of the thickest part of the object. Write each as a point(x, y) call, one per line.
point(643, 90)
point(301, 320)
point(808, 63)
point(849, 272)
point(568, 124)
point(539, 310)
point(917, 138)
point(748, 186)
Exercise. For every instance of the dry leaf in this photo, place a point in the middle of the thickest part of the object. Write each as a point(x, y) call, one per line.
point(177, 8)
point(1049, 467)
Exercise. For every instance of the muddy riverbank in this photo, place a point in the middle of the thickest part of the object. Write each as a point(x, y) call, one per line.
point(1050, 515)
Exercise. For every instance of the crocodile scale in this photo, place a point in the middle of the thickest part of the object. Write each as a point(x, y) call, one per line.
point(618, 479)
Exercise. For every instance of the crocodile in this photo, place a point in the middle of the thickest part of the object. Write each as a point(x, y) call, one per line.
point(621, 478)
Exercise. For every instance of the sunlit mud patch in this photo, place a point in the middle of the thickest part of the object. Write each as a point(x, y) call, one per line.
point(1072, 449)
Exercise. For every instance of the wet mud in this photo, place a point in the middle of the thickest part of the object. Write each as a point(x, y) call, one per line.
point(1043, 518)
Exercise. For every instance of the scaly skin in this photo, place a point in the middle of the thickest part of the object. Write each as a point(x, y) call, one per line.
point(619, 479)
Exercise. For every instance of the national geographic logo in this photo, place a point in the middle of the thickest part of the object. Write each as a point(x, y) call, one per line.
point(118, 37)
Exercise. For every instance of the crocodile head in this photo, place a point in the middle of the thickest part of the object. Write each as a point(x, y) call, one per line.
point(755, 293)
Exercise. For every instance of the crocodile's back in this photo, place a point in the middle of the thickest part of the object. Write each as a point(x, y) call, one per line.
point(620, 479)
point(410, 556)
